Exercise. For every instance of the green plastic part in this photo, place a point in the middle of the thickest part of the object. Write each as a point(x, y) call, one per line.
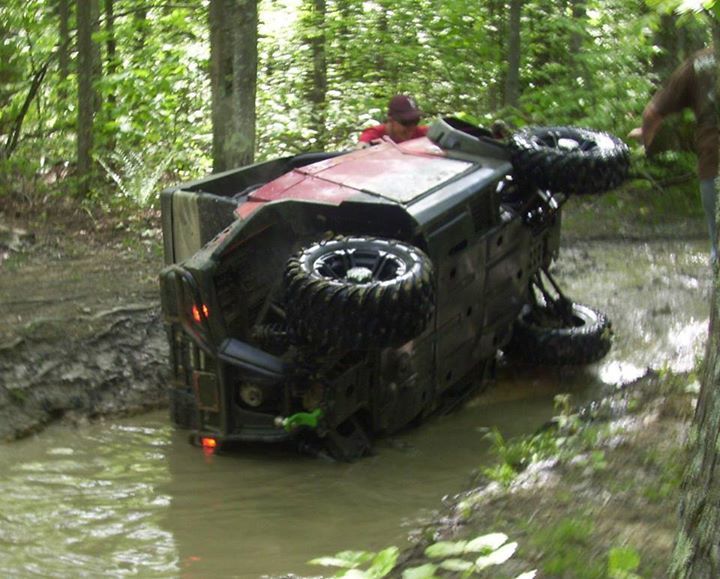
point(309, 419)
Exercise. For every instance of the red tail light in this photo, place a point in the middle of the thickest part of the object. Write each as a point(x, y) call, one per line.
point(200, 313)
point(208, 444)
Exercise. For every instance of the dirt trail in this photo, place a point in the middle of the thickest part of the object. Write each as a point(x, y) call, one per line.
point(80, 330)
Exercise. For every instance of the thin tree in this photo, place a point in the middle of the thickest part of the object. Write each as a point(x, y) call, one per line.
point(318, 85)
point(88, 100)
point(512, 80)
point(63, 10)
point(233, 73)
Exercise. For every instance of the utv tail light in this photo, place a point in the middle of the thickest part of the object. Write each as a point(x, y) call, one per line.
point(208, 443)
point(201, 313)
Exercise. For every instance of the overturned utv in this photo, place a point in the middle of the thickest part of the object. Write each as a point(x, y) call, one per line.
point(324, 299)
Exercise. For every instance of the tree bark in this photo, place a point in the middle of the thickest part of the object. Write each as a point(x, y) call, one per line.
point(512, 80)
point(233, 74)
point(110, 45)
point(14, 137)
point(64, 45)
point(88, 100)
point(245, 61)
point(316, 39)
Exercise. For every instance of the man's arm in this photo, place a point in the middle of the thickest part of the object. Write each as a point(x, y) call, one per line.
point(652, 120)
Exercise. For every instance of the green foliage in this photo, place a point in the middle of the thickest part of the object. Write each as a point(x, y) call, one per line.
point(469, 557)
point(155, 91)
point(466, 557)
point(568, 437)
point(137, 177)
point(565, 548)
point(623, 562)
point(377, 565)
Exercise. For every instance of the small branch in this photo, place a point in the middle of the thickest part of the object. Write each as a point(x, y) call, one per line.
point(14, 136)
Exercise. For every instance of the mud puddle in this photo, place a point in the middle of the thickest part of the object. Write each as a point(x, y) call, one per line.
point(131, 496)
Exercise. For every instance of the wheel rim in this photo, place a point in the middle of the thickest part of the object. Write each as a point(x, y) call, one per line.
point(359, 265)
point(567, 142)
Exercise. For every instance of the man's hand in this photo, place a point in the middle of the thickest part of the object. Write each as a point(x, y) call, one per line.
point(636, 134)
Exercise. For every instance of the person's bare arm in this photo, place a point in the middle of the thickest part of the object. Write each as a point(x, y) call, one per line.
point(650, 126)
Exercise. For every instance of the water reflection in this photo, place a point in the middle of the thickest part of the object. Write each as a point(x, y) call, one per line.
point(89, 504)
point(133, 497)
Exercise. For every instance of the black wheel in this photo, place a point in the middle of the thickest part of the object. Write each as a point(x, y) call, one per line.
point(351, 293)
point(541, 336)
point(569, 159)
point(183, 413)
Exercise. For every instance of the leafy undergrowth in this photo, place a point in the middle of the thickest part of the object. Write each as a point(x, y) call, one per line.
point(641, 208)
point(594, 495)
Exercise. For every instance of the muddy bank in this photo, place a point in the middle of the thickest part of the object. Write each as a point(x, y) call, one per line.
point(605, 504)
point(80, 328)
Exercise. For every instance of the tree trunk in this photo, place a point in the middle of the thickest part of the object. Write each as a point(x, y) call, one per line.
point(233, 74)
point(110, 45)
point(87, 22)
point(245, 60)
point(579, 13)
point(512, 80)
point(496, 37)
point(64, 45)
point(697, 551)
point(318, 83)
point(140, 23)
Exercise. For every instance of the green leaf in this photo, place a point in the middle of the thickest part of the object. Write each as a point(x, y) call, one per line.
point(496, 557)
point(344, 559)
point(622, 561)
point(488, 542)
point(456, 565)
point(384, 562)
point(355, 574)
point(446, 549)
point(426, 571)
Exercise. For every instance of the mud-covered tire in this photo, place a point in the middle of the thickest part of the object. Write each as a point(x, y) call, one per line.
point(539, 337)
point(350, 293)
point(569, 160)
point(183, 413)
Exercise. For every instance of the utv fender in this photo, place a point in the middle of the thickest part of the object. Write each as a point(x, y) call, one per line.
point(569, 160)
point(350, 293)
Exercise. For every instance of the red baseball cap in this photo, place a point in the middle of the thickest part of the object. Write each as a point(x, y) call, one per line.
point(403, 108)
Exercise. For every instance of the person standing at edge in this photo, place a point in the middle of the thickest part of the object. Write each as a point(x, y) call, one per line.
point(402, 124)
point(691, 85)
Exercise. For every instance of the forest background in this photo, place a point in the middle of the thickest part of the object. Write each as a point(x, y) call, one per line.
point(118, 98)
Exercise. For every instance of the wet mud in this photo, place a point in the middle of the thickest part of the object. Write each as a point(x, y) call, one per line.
point(81, 338)
point(80, 330)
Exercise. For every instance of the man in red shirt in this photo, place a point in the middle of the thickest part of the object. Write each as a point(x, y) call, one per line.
point(402, 123)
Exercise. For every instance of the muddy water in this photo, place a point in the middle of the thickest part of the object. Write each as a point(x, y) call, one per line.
point(132, 497)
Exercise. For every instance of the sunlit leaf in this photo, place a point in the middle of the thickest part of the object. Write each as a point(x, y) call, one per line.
point(356, 574)
point(623, 560)
point(446, 549)
point(384, 562)
point(527, 575)
point(426, 571)
point(456, 565)
point(491, 542)
point(346, 559)
point(496, 557)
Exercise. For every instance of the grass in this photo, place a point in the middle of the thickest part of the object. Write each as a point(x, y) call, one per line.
point(635, 209)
